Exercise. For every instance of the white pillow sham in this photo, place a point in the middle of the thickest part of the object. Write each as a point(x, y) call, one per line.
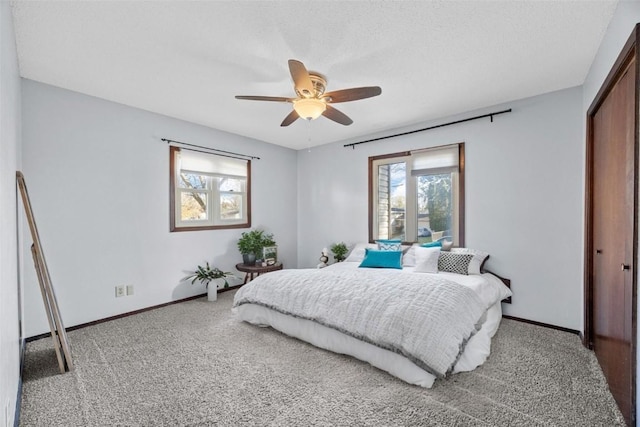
point(409, 257)
point(358, 252)
point(427, 259)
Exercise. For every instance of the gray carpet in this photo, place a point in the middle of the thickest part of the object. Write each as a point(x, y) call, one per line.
point(191, 364)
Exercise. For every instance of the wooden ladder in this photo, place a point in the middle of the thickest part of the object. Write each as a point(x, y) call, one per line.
point(58, 333)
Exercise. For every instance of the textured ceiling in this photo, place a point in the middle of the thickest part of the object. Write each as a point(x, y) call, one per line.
point(188, 59)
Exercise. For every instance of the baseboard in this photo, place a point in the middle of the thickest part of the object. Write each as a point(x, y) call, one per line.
point(16, 417)
point(230, 288)
point(119, 316)
point(545, 325)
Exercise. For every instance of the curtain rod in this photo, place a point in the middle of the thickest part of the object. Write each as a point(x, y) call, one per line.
point(353, 144)
point(169, 141)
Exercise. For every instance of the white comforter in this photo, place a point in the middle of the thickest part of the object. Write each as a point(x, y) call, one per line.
point(424, 317)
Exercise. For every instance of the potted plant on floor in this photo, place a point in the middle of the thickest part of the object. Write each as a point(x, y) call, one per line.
point(251, 244)
point(208, 274)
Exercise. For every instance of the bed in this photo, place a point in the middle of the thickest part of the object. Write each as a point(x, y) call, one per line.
point(417, 323)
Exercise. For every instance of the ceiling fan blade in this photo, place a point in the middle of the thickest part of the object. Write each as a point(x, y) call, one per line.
point(265, 98)
point(353, 94)
point(301, 78)
point(337, 116)
point(292, 117)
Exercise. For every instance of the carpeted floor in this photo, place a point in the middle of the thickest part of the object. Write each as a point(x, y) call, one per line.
point(192, 364)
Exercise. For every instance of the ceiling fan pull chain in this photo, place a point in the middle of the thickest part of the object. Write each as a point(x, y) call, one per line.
point(309, 135)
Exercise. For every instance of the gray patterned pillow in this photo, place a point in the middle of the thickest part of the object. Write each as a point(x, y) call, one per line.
point(479, 258)
point(389, 245)
point(453, 262)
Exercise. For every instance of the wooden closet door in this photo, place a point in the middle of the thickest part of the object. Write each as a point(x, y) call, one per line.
point(613, 201)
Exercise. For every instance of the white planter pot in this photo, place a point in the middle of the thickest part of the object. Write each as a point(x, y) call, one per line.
point(212, 291)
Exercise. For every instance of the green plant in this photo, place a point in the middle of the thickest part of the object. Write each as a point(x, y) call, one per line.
point(253, 241)
point(339, 251)
point(207, 273)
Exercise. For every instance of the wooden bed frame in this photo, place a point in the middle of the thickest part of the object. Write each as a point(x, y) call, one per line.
point(504, 280)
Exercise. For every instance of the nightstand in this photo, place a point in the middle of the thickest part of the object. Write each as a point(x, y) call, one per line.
point(252, 271)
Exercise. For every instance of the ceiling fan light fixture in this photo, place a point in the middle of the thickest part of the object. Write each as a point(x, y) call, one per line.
point(309, 108)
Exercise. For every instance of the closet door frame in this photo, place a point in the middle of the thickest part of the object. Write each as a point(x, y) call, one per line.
point(630, 49)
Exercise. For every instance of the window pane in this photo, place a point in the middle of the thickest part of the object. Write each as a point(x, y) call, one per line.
point(192, 180)
point(193, 206)
point(392, 200)
point(231, 206)
point(231, 184)
point(435, 207)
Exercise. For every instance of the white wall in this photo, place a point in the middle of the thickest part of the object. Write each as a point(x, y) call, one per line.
point(98, 176)
point(523, 198)
point(626, 16)
point(9, 162)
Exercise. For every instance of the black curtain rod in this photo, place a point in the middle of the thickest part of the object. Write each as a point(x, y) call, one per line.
point(353, 144)
point(169, 141)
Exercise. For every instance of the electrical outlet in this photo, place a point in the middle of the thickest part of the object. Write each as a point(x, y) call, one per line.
point(129, 289)
point(120, 291)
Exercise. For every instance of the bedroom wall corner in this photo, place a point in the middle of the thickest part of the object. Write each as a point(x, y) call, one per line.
point(523, 195)
point(98, 177)
point(10, 141)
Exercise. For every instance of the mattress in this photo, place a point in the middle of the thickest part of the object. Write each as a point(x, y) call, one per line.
point(477, 349)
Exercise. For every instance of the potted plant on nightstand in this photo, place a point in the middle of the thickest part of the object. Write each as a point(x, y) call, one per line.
point(251, 244)
point(339, 251)
point(208, 274)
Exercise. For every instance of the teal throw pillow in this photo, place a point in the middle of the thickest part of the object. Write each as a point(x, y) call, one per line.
point(432, 245)
point(382, 259)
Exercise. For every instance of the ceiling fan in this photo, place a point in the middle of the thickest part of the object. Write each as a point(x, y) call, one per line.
point(312, 101)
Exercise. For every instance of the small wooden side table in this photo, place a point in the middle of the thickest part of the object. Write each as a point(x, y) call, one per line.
point(251, 270)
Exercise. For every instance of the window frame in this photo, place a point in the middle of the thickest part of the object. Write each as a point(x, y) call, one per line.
point(176, 225)
point(373, 187)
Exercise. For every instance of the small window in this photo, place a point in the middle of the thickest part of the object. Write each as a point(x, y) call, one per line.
point(208, 191)
point(418, 196)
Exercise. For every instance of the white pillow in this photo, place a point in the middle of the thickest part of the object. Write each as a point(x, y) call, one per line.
point(357, 253)
point(427, 259)
point(409, 257)
point(479, 257)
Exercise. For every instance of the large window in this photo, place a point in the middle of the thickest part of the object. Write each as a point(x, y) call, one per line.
point(418, 196)
point(208, 191)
